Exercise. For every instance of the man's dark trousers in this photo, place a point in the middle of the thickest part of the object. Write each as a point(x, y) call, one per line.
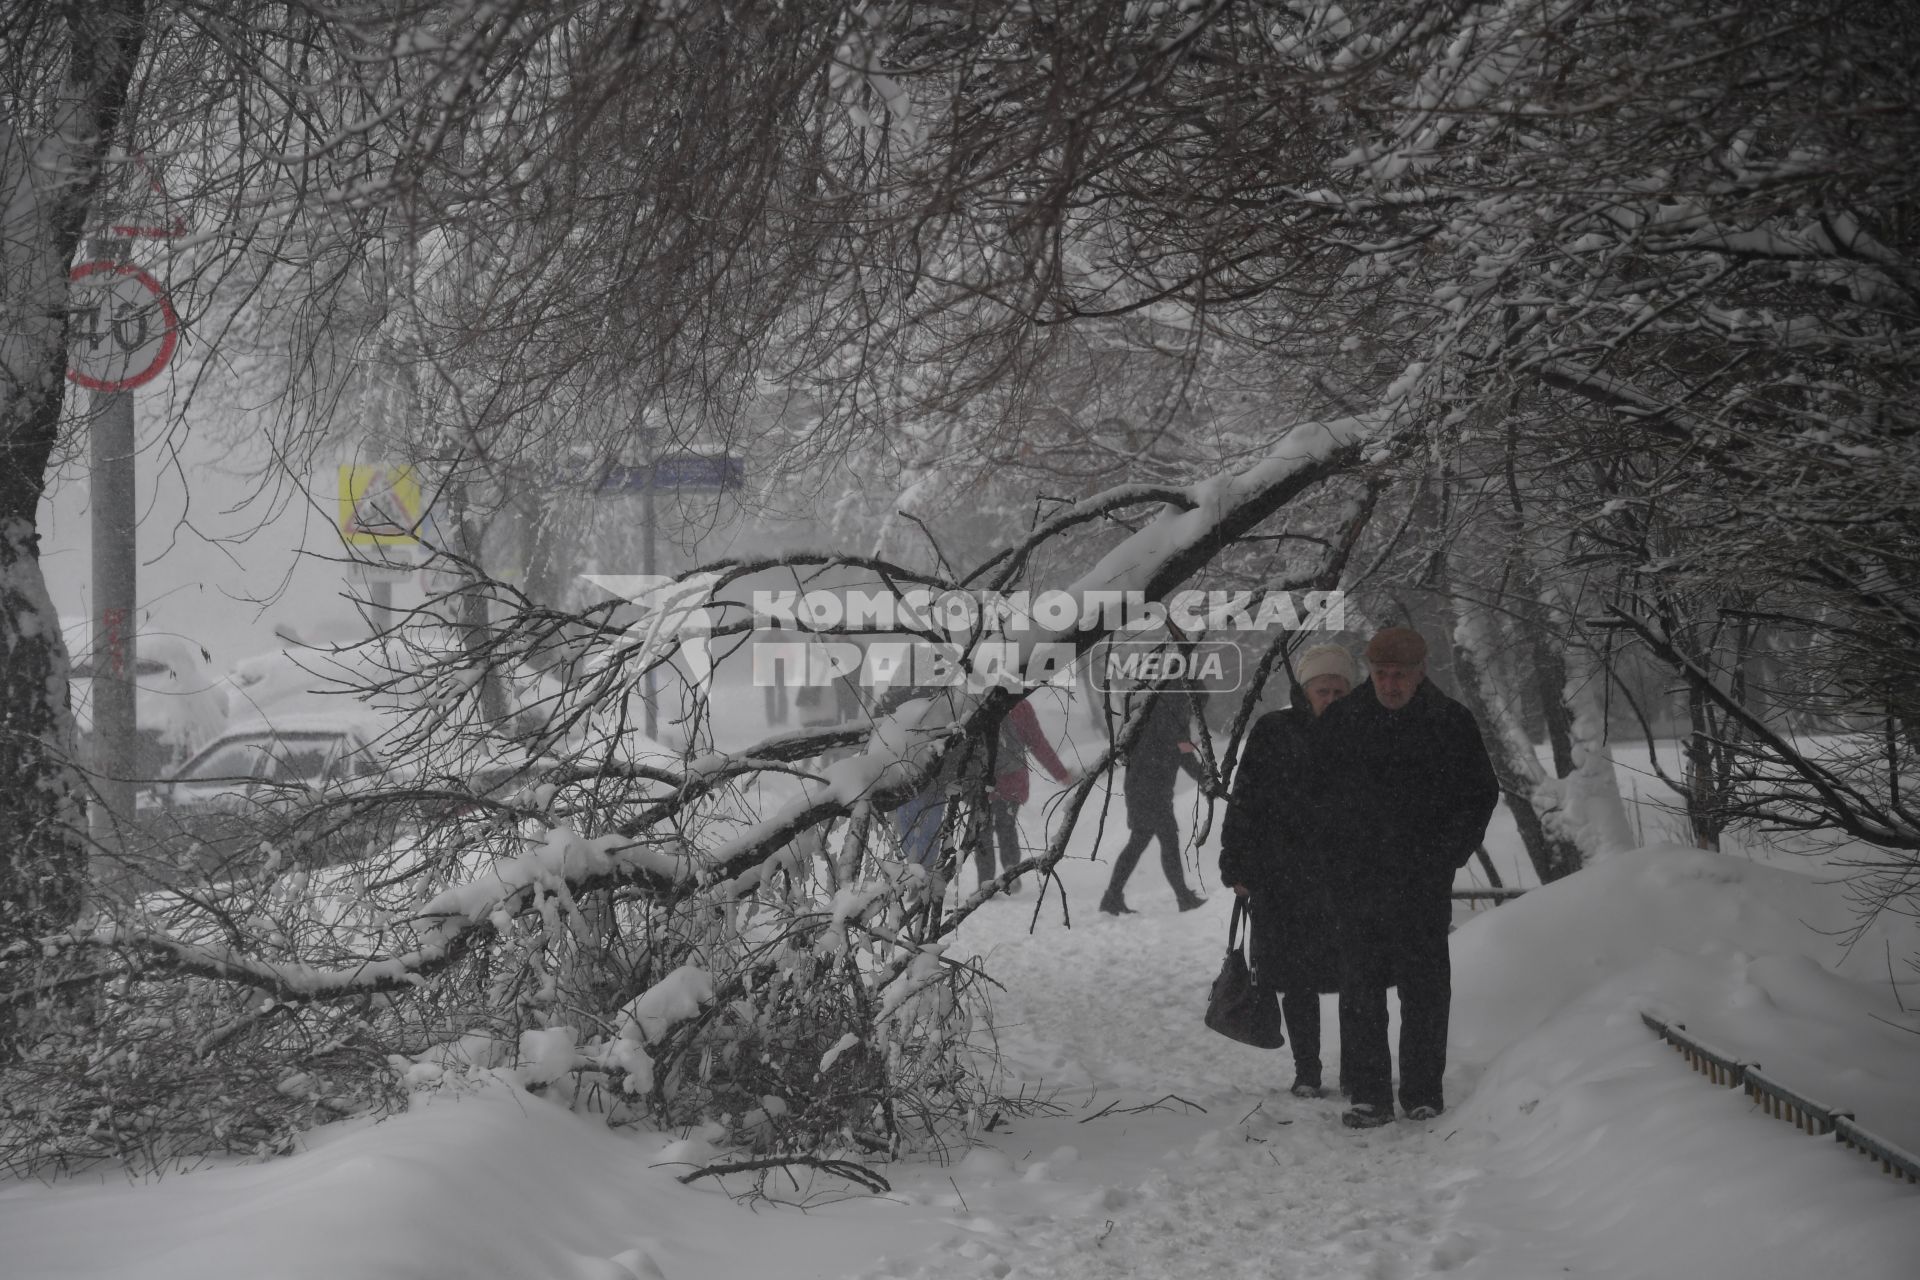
point(1386, 941)
point(1003, 833)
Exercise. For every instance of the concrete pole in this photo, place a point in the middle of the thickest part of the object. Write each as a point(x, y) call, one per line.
point(115, 596)
point(651, 697)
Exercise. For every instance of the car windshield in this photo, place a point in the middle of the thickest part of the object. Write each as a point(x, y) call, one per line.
point(302, 760)
point(235, 758)
point(291, 759)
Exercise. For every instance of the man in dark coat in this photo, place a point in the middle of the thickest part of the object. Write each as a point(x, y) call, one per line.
point(1266, 857)
point(1163, 749)
point(1405, 790)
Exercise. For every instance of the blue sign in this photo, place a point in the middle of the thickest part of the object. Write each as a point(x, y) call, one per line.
point(682, 471)
point(579, 473)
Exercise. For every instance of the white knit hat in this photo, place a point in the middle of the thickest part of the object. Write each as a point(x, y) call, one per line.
point(1326, 660)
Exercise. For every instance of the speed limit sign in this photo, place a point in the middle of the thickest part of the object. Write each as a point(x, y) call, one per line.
point(124, 329)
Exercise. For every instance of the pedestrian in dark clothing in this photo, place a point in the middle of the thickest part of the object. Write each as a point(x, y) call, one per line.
point(1267, 857)
point(1020, 735)
point(1405, 790)
point(1162, 750)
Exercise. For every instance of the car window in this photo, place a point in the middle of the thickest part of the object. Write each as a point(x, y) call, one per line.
point(235, 758)
point(302, 761)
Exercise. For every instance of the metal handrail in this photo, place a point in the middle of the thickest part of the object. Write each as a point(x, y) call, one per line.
point(1894, 1160)
point(1497, 895)
point(1783, 1103)
point(1804, 1113)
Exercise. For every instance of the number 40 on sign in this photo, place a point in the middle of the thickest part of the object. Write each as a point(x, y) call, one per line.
point(124, 327)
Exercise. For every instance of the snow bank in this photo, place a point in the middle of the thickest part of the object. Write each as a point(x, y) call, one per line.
point(1747, 956)
point(1588, 1125)
point(497, 1185)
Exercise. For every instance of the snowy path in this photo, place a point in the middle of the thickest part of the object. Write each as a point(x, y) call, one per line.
point(1258, 1184)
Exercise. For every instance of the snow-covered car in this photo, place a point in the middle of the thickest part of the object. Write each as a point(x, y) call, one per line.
point(178, 704)
point(263, 783)
point(303, 675)
point(298, 789)
point(395, 674)
point(251, 759)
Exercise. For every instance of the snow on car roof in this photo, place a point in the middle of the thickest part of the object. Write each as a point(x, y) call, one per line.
point(381, 731)
point(280, 721)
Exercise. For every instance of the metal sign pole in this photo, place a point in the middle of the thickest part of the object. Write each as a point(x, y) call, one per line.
point(116, 727)
point(381, 507)
point(380, 604)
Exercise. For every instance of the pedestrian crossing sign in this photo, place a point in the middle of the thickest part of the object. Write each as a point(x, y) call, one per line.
point(380, 505)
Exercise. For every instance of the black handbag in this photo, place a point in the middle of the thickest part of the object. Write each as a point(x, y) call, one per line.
point(1238, 1007)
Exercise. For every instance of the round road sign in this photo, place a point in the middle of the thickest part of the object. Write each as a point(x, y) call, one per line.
point(124, 329)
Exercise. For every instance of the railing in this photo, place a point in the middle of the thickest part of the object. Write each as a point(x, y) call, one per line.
point(1495, 895)
point(1782, 1103)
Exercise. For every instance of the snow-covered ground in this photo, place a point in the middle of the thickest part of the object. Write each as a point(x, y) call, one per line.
point(1575, 1143)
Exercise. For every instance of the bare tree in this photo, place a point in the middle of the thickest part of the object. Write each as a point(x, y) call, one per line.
point(1647, 320)
point(767, 938)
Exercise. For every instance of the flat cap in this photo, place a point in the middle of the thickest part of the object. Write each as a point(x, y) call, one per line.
point(1398, 646)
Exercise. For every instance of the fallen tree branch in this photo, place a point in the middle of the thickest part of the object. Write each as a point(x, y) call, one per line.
point(838, 1168)
point(1158, 1104)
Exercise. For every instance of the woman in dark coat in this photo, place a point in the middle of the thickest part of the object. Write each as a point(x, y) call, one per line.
point(1284, 877)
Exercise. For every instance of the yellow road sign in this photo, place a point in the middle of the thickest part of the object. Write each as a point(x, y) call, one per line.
point(380, 505)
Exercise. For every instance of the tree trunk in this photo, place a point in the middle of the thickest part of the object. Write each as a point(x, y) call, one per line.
point(1516, 766)
point(1710, 754)
point(556, 525)
point(475, 613)
point(1550, 683)
point(51, 155)
point(1590, 812)
point(43, 851)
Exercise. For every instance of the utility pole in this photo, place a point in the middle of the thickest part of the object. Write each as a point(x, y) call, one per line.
point(115, 580)
point(651, 695)
point(125, 331)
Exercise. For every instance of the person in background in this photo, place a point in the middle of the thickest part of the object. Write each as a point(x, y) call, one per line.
point(917, 819)
point(1267, 858)
point(1403, 790)
point(848, 705)
point(1163, 749)
point(775, 691)
point(1020, 733)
